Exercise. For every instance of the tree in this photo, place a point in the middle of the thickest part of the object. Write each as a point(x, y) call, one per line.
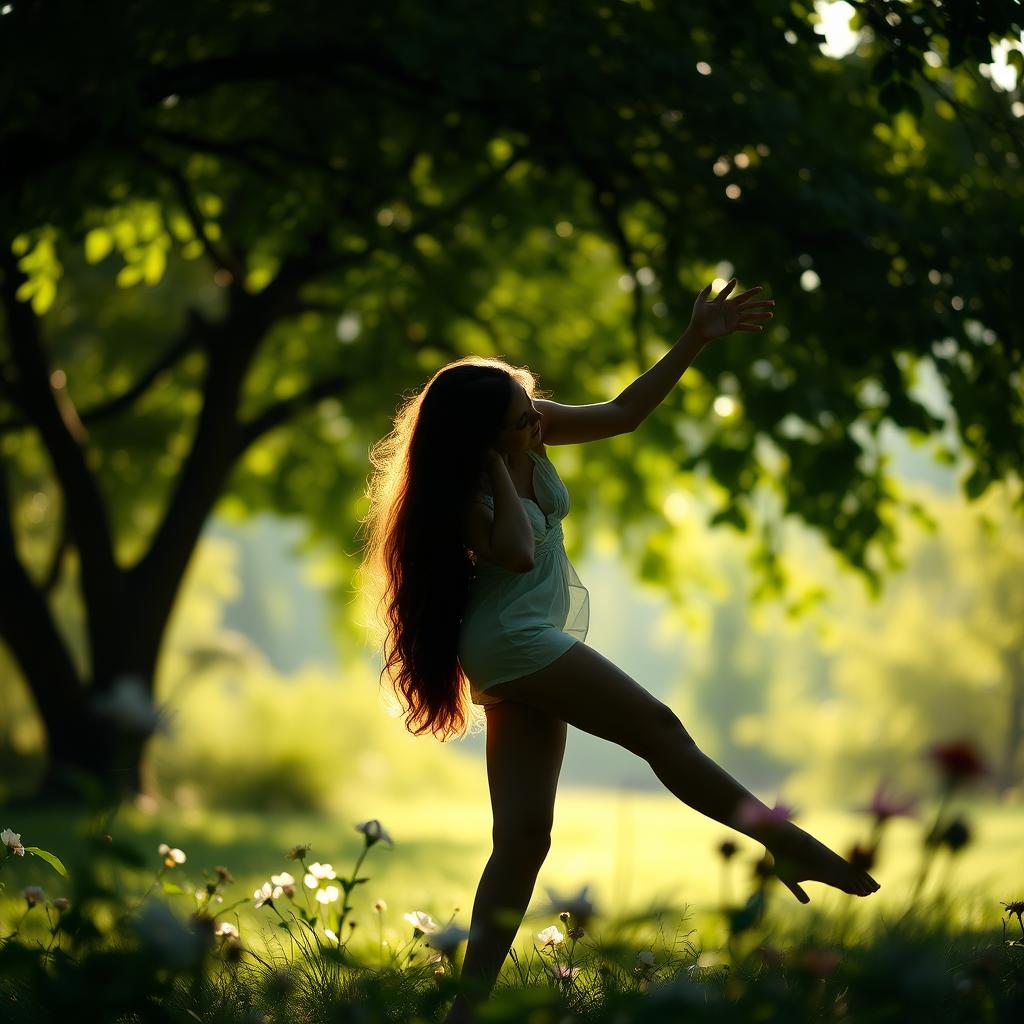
point(372, 192)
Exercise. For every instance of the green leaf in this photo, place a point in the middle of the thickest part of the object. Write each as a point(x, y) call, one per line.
point(171, 889)
point(44, 295)
point(977, 483)
point(50, 859)
point(98, 243)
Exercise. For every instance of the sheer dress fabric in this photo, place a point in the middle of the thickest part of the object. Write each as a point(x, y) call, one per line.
point(518, 622)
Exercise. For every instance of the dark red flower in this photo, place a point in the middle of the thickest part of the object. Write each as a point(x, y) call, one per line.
point(958, 760)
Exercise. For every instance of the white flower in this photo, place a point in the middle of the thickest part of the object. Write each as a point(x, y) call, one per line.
point(267, 894)
point(447, 939)
point(171, 855)
point(33, 894)
point(226, 928)
point(550, 936)
point(328, 895)
point(579, 905)
point(421, 920)
point(316, 872)
point(331, 934)
point(13, 841)
point(562, 972)
point(286, 882)
point(646, 956)
point(374, 832)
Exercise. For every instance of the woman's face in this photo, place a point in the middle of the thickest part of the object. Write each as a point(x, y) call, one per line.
point(522, 428)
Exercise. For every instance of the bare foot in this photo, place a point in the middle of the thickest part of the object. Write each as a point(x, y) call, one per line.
point(800, 857)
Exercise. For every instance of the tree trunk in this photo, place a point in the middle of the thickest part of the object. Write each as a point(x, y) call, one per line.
point(91, 760)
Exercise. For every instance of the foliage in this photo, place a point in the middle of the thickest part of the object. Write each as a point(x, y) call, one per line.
point(217, 231)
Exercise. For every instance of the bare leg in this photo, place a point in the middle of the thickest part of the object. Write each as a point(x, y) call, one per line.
point(502, 896)
point(700, 782)
point(524, 756)
point(585, 689)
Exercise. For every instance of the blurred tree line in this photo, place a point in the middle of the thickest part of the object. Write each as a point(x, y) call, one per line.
point(233, 236)
point(826, 702)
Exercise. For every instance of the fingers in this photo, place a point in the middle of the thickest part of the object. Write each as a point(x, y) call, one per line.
point(725, 291)
point(798, 892)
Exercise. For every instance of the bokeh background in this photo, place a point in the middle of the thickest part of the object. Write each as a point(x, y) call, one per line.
point(228, 256)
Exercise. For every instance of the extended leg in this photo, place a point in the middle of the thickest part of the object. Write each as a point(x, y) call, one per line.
point(590, 692)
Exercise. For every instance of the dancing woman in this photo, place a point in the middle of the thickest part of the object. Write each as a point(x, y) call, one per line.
point(474, 592)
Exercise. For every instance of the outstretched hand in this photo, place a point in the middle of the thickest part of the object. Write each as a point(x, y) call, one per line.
point(720, 316)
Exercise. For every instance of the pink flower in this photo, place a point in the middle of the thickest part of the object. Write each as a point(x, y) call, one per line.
point(753, 814)
point(884, 806)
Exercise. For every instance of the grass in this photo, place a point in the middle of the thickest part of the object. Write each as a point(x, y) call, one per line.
point(663, 946)
point(634, 850)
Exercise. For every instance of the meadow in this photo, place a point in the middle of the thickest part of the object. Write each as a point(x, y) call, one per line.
point(665, 920)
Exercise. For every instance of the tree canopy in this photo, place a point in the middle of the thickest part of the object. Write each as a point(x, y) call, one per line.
point(235, 233)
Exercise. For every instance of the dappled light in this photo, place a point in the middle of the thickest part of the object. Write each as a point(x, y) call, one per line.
point(511, 514)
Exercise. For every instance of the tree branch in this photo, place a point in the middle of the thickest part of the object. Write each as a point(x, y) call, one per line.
point(52, 574)
point(235, 150)
point(27, 626)
point(189, 341)
point(225, 259)
point(607, 205)
point(61, 432)
point(280, 412)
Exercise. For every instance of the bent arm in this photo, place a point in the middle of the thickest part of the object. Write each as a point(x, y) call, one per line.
point(648, 391)
point(511, 532)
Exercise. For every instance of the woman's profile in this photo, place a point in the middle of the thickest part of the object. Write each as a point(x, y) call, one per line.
point(475, 598)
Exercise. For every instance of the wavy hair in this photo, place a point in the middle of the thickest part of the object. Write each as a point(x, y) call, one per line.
point(416, 569)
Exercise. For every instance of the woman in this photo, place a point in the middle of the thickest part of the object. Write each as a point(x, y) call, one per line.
point(475, 588)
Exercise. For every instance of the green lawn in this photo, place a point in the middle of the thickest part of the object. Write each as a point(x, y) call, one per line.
point(633, 850)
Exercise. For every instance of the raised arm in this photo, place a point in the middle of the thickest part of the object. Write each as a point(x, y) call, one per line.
point(711, 319)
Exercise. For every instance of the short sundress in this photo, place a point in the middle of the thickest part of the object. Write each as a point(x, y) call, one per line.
point(518, 622)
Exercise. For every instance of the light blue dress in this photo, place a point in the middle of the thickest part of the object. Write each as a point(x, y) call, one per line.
point(518, 622)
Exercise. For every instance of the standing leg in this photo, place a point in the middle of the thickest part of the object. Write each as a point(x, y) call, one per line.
point(524, 756)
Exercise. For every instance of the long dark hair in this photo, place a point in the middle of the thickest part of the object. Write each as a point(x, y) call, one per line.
point(416, 569)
